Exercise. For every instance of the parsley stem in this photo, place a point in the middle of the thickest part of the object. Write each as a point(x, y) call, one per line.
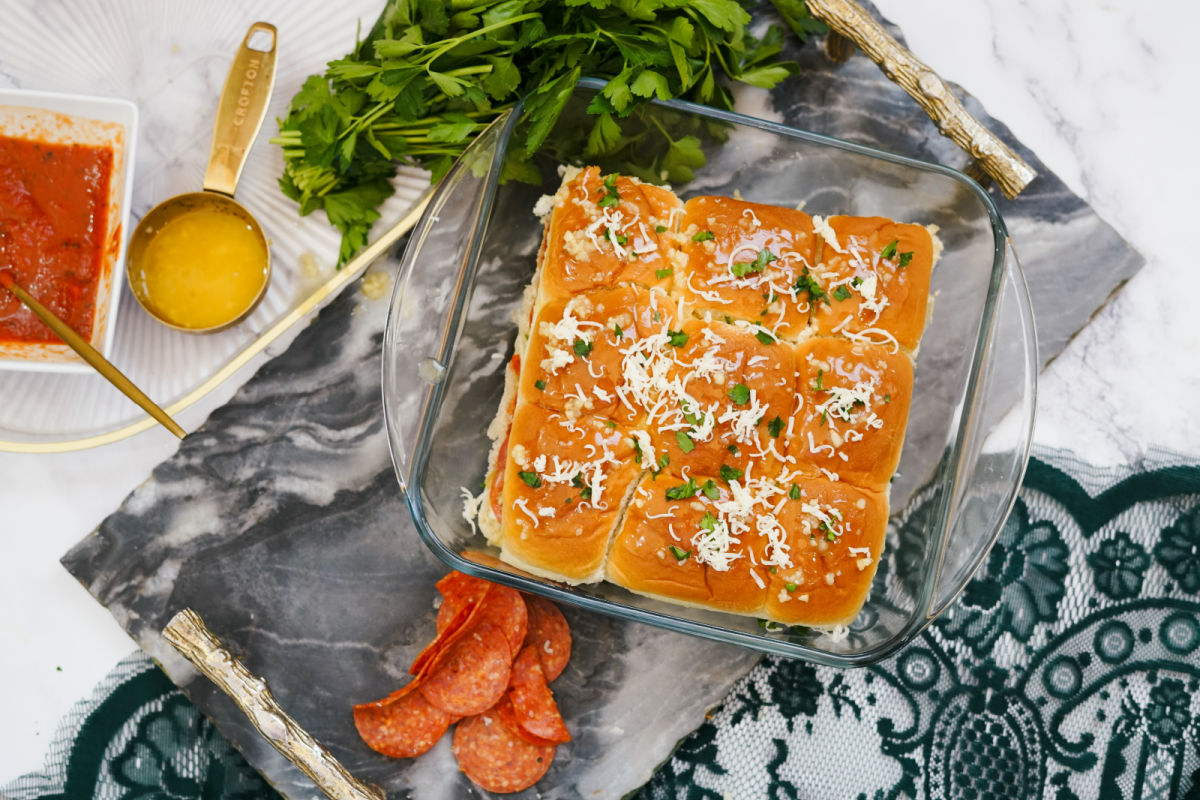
point(456, 41)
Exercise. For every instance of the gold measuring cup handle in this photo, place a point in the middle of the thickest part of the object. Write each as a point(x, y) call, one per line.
point(242, 108)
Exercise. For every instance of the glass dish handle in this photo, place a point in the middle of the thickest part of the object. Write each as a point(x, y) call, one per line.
point(999, 434)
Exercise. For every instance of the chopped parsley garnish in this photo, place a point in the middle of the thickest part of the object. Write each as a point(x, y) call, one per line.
point(585, 493)
point(887, 398)
point(679, 553)
point(541, 385)
point(733, 448)
point(660, 228)
point(684, 441)
point(692, 417)
point(791, 587)
point(857, 282)
point(906, 258)
point(702, 236)
point(819, 386)
point(742, 269)
point(617, 332)
point(740, 394)
point(637, 452)
point(577, 480)
point(663, 273)
point(708, 522)
point(765, 337)
point(841, 293)
point(611, 425)
point(622, 239)
point(729, 473)
point(890, 250)
point(532, 479)
point(775, 427)
point(710, 490)
point(683, 491)
point(581, 348)
point(678, 338)
point(773, 570)
point(663, 460)
point(728, 320)
point(807, 283)
point(794, 492)
point(611, 196)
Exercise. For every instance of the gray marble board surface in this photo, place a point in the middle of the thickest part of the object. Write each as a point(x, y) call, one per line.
point(280, 520)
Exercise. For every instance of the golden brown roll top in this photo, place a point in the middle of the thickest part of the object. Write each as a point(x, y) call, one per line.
point(605, 230)
point(875, 274)
point(744, 261)
point(726, 399)
point(852, 411)
point(789, 548)
point(565, 484)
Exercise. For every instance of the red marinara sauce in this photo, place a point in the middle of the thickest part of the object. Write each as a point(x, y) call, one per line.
point(53, 228)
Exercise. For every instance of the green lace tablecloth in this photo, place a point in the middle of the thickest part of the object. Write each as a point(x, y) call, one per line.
point(1069, 669)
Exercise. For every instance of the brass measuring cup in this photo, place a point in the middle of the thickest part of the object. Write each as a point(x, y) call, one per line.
point(240, 114)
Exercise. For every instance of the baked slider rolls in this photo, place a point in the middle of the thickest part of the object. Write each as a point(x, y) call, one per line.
point(708, 400)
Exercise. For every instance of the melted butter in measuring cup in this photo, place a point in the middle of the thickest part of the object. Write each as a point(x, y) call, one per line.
point(203, 268)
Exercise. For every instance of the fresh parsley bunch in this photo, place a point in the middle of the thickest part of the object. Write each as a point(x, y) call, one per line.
point(431, 74)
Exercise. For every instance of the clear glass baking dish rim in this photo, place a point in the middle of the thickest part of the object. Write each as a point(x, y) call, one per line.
point(409, 477)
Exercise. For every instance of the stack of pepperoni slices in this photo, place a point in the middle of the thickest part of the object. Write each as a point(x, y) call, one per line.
point(488, 670)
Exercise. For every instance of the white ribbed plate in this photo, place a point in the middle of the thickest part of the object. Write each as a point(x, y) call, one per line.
point(171, 57)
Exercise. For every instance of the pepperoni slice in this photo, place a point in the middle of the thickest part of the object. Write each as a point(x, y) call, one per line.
point(472, 674)
point(505, 608)
point(458, 591)
point(549, 634)
point(491, 754)
point(402, 725)
point(445, 638)
point(533, 705)
point(504, 709)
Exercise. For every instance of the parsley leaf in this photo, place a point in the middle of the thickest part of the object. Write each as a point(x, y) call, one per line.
point(807, 283)
point(582, 348)
point(683, 491)
point(612, 197)
point(841, 293)
point(663, 273)
point(679, 553)
point(890, 250)
point(710, 490)
point(760, 261)
point(794, 492)
point(532, 479)
point(540, 385)
point(729, 473)
point(775, 427)
point(905, 258)
point(702, 236)
point(684, 441)
point(677, 338)
point(765, 337)
point(739, 394)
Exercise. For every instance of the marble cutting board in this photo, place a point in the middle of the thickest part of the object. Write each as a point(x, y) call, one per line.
point(280, 520)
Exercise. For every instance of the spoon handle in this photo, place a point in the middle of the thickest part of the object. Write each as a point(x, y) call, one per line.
point(242, 108)
point(90, 355)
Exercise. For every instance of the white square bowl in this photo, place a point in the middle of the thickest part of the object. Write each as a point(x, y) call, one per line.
point(95, 121)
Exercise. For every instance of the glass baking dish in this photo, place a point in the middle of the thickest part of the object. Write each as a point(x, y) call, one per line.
point(450, 333)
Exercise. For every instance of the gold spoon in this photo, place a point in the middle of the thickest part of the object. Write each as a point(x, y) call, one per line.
point(90, 354)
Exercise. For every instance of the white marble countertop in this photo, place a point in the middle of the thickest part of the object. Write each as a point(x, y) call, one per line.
point(1103, 93)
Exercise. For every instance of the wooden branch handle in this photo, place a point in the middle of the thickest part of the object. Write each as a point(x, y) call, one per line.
point(187, 633)
point(849, 19)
